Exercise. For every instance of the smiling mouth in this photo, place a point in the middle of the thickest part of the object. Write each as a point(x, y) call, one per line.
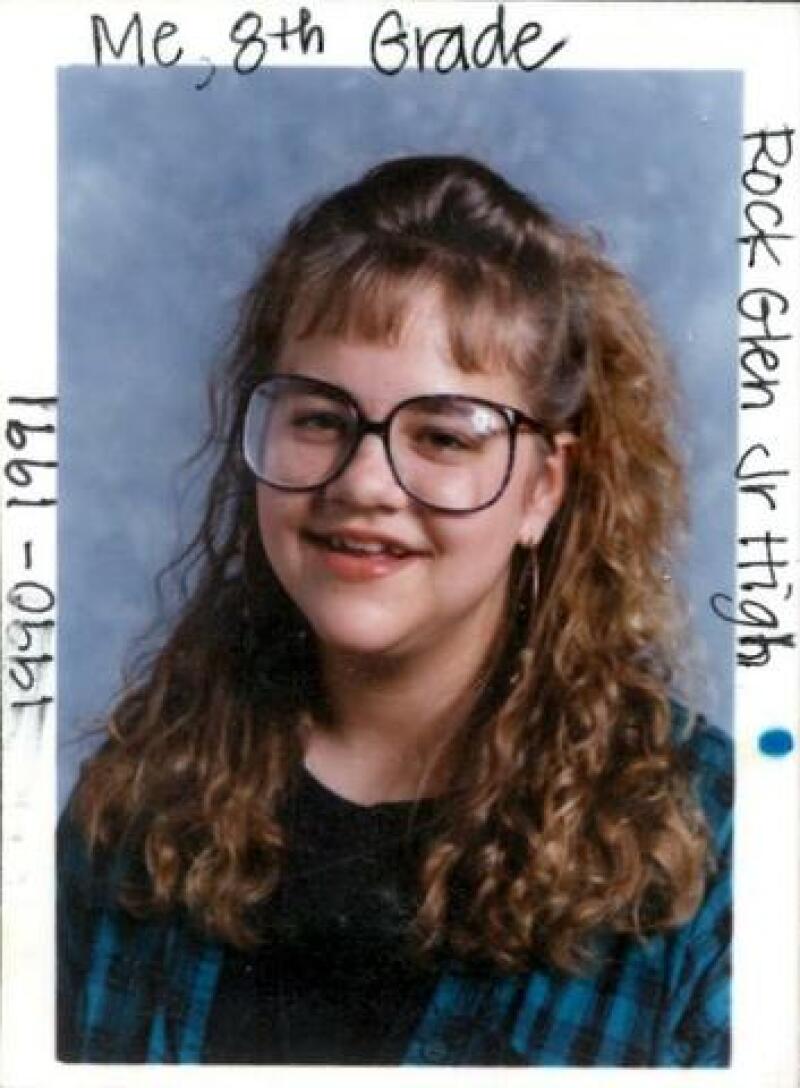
point(366, 549)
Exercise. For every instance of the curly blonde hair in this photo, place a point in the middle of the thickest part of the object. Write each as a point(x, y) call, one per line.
point(570, 810)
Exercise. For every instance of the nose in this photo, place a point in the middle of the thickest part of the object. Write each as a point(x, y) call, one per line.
point(368, 480)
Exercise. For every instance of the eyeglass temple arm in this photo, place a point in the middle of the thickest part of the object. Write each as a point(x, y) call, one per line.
point(520, 420)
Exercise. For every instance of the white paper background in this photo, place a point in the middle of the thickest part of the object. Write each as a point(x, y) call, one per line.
point(762, 41)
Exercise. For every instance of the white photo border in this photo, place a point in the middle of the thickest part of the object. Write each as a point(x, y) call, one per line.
point(763, 42)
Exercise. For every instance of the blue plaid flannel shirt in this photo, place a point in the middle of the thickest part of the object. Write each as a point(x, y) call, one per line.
point(141, 991)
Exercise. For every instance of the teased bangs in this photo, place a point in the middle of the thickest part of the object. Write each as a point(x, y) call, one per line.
point(372, 293)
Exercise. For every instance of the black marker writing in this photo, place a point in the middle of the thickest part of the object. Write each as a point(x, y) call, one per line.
point(766, 319)
point(767, 563)
point(25, 668)
point(28, 430)
point(18, 470)
point(134, 43)
point(249, 34)
point(30, 596)
point(770, 152)
point(763, 306)
point(758, 214)
point(22, 471)
point(753, 482)
point(447, 48)
point(752, 649)
point(20, 632)
point(210, 73)
point(134, 34)
point(758, 179)
point(393, 45)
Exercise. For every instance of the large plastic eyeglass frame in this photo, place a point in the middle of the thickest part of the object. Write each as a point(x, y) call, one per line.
point(514, 418)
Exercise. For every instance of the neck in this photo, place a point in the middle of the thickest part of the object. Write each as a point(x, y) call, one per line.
point(394, 720)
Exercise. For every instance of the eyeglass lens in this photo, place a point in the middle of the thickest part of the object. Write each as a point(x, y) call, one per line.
point(448, 451)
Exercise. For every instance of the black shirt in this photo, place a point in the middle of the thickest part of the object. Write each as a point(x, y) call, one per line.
point(336, 979)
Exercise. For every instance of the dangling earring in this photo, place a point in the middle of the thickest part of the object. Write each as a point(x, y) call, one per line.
point(527, 595)
point(524, 662)
point(525, 583)
point(532, 566)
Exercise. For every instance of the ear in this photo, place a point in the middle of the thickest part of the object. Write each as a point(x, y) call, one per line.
point(547, 485)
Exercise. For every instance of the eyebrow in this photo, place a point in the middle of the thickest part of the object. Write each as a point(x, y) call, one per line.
point(463, 403)
point(436, 403)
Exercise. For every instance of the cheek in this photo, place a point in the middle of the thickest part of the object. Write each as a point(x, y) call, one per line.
point(482, 543)
point(277, 514)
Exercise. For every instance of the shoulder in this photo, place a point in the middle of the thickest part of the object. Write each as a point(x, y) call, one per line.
point(74, 862)
point(708, 747)
point(88, 876)
point(677, 982)
point(709, 758)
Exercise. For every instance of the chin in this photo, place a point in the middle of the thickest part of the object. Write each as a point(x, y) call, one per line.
point(361, 637)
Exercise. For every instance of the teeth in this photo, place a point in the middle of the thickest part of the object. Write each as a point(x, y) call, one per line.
point(363, 547)
point(357, 545)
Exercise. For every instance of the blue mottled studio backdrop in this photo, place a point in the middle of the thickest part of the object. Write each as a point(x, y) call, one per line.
point(169, 197)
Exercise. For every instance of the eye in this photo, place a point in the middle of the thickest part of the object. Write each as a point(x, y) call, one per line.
point(315, 426)
point(445, 440)
point(324, 422)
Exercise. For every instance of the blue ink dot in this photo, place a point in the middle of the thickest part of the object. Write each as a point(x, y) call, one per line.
point(776, 742)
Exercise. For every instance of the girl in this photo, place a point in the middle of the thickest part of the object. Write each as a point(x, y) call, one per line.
point(406, 782)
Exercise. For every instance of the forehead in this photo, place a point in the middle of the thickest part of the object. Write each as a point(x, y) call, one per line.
point(417, 360)
point(469, 314)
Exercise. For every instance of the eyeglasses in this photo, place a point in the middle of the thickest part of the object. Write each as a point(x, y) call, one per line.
point(451, 453)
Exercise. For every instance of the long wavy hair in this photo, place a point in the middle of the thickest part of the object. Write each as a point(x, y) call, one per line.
point(570, 810)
